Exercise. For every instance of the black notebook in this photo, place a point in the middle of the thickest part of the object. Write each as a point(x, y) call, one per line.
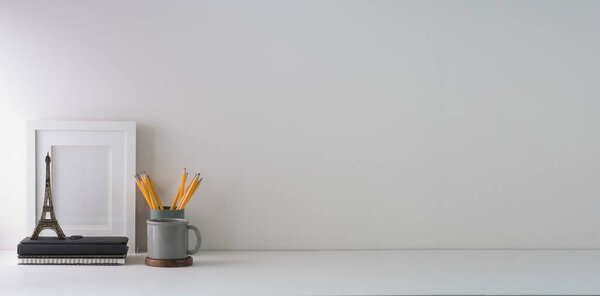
point(74, 245)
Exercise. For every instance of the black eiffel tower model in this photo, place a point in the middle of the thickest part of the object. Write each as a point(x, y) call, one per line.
point(48, 208)
point(73, 250)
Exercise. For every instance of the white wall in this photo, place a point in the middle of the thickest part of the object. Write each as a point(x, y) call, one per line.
point(328, 124)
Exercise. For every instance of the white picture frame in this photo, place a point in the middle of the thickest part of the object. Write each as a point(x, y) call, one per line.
point(93, 164)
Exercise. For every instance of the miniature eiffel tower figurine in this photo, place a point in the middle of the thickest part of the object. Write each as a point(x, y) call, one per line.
point(48, 207)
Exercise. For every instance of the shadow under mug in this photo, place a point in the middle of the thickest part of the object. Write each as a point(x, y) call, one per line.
point(168, 238)
point(166, 213)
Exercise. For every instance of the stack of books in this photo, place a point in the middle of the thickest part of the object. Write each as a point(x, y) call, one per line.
point(74, 250)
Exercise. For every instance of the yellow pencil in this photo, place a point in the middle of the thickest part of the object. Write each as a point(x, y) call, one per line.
point(146, 183)
point(148, 194)
point(184, 193)
point(156, 195)
point(180, 190)
point(187, 191)
point(191, 194)
point(139, 184)
point(144, 192)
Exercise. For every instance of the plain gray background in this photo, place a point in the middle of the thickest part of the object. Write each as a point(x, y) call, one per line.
point(328, 124)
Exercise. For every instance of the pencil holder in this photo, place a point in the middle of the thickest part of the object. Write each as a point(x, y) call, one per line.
point(166, 213)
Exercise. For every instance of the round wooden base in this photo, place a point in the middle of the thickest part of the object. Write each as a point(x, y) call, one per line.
point(170, 262)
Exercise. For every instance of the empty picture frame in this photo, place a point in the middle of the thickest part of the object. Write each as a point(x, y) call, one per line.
point(93, 163)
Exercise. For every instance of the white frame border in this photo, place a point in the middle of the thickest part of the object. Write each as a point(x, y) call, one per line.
point(128, 127)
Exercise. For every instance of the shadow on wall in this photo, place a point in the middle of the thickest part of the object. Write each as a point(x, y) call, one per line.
point(144, 154)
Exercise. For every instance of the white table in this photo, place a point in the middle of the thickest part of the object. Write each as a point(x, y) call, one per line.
point(320, 273)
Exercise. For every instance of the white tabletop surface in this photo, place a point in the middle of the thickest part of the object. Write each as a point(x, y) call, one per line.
point(319, 273)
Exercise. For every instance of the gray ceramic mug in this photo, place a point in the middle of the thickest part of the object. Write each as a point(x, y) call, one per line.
point(168, 238)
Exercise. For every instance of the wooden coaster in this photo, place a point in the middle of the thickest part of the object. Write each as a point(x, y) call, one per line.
point(170, 262)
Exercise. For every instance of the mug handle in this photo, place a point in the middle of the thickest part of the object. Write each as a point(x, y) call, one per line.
point(198, 239)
